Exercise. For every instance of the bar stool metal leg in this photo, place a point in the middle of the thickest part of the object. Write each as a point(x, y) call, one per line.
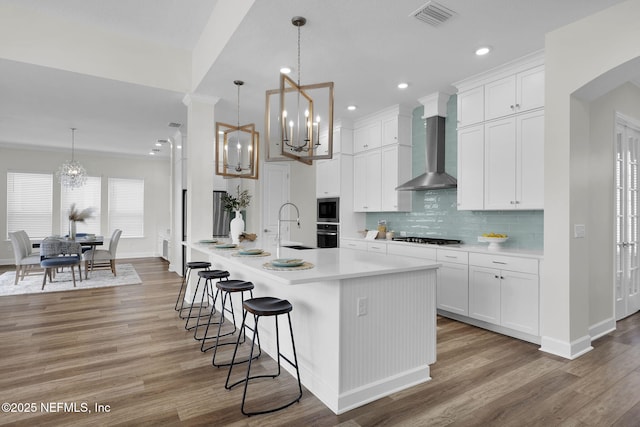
point(193, 265)
point(265, 306)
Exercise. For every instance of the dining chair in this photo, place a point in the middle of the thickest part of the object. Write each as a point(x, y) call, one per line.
point(97, 258)
point(55, 253)
point(26, 259)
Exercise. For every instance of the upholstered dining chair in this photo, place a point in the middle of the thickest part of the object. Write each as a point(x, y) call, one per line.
point(26, 260)
point(96, 258)
point(55, 253)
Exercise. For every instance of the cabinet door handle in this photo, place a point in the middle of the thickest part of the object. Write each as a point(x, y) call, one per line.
point(451, 256)
point(499, 262)
point(502, 277)
point(512, 107)
point(517, 105)
point(496, 276)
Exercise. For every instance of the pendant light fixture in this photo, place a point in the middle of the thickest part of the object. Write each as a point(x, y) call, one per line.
point(71, 173)
point(299, 118)
point(237, 147)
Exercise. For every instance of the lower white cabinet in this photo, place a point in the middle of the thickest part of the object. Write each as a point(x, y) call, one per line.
point(452, 292)
point(504, 290)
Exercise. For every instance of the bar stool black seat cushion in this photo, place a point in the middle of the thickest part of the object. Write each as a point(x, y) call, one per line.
point(213, 274)
point(234, 286)
point(198, 264)
point(267, 306)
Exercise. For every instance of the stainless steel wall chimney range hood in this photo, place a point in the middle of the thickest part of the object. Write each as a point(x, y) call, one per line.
point(434, 177)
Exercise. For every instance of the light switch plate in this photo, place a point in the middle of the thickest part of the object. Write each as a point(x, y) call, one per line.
point(579, 231)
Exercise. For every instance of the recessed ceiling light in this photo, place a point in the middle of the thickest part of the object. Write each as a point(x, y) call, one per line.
point(158, 144)
point(179, 147)
point(352, 107)
point(483, 50)
point(285, 70)
point(403, 85)
point(151, 153)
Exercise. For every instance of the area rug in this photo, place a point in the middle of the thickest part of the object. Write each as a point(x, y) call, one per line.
point(99, 278)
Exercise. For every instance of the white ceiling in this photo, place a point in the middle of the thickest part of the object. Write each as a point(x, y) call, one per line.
point(365, 46)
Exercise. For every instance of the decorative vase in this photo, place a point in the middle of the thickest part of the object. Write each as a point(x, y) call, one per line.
point(236, 228)
point(72, 230)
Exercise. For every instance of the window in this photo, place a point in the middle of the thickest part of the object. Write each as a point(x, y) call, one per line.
point(30, 203)
point(126, 206)
point(87, 196)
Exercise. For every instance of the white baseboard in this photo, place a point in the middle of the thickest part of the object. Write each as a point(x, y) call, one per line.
point(568, 350)
point(602, 328)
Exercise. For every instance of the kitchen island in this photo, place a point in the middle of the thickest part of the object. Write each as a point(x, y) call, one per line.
point(364, 324)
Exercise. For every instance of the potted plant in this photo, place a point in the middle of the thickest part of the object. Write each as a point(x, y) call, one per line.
point(231, 203)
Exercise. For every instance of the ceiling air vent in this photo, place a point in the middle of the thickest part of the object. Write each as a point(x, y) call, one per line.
point(433, 13)
point(174, 125)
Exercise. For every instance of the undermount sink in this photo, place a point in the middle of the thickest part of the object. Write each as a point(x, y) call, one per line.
point(299, 247)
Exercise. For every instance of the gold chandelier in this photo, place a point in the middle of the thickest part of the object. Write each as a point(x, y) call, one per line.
point(299, 118)
point(237, 147)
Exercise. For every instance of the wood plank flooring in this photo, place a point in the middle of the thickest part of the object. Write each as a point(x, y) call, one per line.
point(126, 348)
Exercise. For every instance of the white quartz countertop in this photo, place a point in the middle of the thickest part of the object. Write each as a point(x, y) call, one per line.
point(329, 263)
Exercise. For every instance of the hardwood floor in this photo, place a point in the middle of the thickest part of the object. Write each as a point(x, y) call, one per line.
point(126, 348)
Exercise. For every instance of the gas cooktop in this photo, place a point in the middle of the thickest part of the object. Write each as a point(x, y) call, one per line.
point(427, 240)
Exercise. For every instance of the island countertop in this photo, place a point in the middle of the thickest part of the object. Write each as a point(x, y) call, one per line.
point(329, 263)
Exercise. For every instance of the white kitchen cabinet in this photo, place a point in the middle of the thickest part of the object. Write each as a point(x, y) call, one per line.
point(378, 247)
point(516, 93)
point(358, 244)
point(504, 291)
point(519, 305)
point(471, 168)
point(502, 112)
point(394, 171)
point(328, 177)
point(367, 136)
point(514, 162)
point(471, 107)
point(367, 181)
point(484, 294)
point(452, 288)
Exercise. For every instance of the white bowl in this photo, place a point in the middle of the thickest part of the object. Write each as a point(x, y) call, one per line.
point(494, 242)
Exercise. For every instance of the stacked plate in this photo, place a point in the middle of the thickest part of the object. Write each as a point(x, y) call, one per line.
point(226, 246)
point(287, 262)
point(250, 252)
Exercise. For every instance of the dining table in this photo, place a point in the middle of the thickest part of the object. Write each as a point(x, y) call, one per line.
point(91, 241)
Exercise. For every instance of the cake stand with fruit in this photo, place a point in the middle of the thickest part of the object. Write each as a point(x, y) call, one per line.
point(494, 240)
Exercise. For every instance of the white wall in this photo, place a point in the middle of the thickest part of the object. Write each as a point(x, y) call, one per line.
point(155, 172)
point(575, 55)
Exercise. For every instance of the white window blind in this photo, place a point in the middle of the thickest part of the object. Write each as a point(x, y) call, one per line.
point(30, 203)
point(126, 206)
point(87, 196)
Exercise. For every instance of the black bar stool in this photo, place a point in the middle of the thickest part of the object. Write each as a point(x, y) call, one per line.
point(227, 288)
point(207, 275)
point(265, 306)
point(193, 265)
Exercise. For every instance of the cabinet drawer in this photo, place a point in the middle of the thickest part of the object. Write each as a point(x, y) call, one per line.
point(377, 247)
point(524, 265)
point(411, 251)
point(446, 255)
point(353, 244)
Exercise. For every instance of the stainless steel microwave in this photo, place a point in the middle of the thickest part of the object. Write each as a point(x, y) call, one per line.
point(329, 209)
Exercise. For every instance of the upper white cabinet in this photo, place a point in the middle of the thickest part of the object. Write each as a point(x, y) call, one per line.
point(501, 138)
point(394, 171)
point(367, 136)
point(334, 174)
point(517, 93)
point(513, 162)
point(471, 107)
point(367, 181)
point(471, 168)
point(328, 177)
point(382, 152)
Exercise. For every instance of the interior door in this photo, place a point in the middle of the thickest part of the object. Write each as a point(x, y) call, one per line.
point(276, 192)
point(627, 250)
